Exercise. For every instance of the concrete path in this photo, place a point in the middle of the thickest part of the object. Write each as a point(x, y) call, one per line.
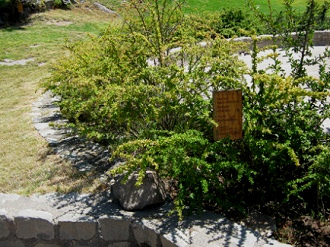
point(313, 70)
point(317, 51)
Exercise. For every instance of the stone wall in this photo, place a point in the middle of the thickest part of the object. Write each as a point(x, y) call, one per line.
point(321, 38)
point(76, 220)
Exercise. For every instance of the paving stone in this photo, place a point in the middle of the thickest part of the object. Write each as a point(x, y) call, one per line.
point(77, 227)
point(75, 149)
point(8, 197)
point(11, 243)
point(211, 229)
point(4, 224)
point(47, 245)
point(115, 228)
point(120, 244)
point(34, 224)
point(145, 236)
point(174, 239)
point(274, 243)
point(166, 243)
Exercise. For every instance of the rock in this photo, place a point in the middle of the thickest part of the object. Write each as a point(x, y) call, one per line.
point(34, 224)
point(131, 197)
point(115, 228)
point(12, 243)
point(105, 9)
point(77, 227)
point(4, 224)
point(47, 245)
point(49, 4)
point(120, 244)
point(145, 235)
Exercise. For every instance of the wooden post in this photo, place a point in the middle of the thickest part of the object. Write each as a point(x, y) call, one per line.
point(227, 113)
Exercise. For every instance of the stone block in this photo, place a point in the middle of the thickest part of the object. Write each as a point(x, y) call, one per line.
point(120, 244)
point(274, 243)
point(77, 227)
point(11, 243)
point(115, 228)
point(175, 236)
point(4, 224)
point(166, 243)
point(34, 224)
point(145, 236)
point(210, 229)
point(47, 245)
point(8, 198)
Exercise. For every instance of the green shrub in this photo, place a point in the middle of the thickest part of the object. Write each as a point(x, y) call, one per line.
point(110, 92)
point(227, 23)
point(206, 173)
point(129, 89)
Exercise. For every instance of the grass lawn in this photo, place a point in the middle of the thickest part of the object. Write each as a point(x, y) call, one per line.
point(197, 6)
point(26, 163)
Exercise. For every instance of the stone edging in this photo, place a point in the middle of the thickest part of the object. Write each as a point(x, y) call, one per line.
point(321, 38)
point(85, 155)
point(55, 220)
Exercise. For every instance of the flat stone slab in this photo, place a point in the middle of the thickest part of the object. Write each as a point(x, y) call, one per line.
point(78, 227)
point(32, 223)
point(115, 228)
point(48, 121)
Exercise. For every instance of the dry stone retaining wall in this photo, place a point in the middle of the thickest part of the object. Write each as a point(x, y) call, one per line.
point(76, 220)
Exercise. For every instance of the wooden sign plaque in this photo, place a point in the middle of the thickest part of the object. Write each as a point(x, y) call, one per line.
point(227, 113)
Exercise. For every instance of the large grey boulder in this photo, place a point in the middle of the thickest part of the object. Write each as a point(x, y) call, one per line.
point(132, 197)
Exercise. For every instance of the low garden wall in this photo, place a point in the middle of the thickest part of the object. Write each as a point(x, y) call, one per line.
point(55, 220)
point(321, 38)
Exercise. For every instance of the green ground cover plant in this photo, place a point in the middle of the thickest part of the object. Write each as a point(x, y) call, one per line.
point(134, 90)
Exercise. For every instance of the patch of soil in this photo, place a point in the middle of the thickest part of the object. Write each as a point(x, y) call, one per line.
point(305, 232)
